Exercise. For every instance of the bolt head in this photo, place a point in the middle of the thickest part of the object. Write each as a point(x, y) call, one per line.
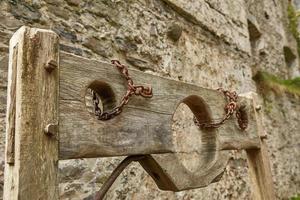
point(51, 65)
point(51, 130)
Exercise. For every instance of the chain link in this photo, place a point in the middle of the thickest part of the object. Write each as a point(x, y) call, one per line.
point(132, 89)
point(229, 108)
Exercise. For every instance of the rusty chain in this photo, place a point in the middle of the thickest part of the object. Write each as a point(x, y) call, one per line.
point(131, 89)
point(229, 108)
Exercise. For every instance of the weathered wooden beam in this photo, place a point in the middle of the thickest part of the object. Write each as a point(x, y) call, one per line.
point(31, 165)
point(180, 159)
point(259, 164)
point(145, 125)
point(95, 139)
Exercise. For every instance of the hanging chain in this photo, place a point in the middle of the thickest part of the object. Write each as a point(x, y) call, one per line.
point(229, 108)
point(131, 89)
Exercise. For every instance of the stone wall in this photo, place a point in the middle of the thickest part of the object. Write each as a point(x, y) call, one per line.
point(211, 43)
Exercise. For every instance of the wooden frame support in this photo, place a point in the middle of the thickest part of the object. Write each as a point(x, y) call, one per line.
point(48, 119)
point(259, 162)
point(31, 165)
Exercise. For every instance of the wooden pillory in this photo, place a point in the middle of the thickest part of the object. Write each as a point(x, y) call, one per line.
point(48, 121)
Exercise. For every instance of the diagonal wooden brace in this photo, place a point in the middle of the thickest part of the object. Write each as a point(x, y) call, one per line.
point(48, 105)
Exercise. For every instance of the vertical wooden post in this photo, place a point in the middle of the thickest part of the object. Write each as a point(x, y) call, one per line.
point(31, 155)
point(259, 163)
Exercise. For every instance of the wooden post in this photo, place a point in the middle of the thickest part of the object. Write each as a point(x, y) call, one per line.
point(259, 163)
point(31, 155)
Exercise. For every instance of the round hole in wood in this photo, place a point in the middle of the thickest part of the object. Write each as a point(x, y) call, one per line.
point(196, 147)
point(104, 93)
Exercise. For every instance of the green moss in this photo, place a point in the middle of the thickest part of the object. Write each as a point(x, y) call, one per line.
point(296, 197)
point(293, 17)
point(267, 81)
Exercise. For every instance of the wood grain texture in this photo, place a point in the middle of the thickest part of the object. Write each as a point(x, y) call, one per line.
point(11, 101)
point(145, 125)
point(197, 161)
point(34, 173)
point(259, 164)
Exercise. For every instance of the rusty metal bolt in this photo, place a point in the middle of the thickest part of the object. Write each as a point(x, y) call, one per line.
point(51, 130)
point(51, 65)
